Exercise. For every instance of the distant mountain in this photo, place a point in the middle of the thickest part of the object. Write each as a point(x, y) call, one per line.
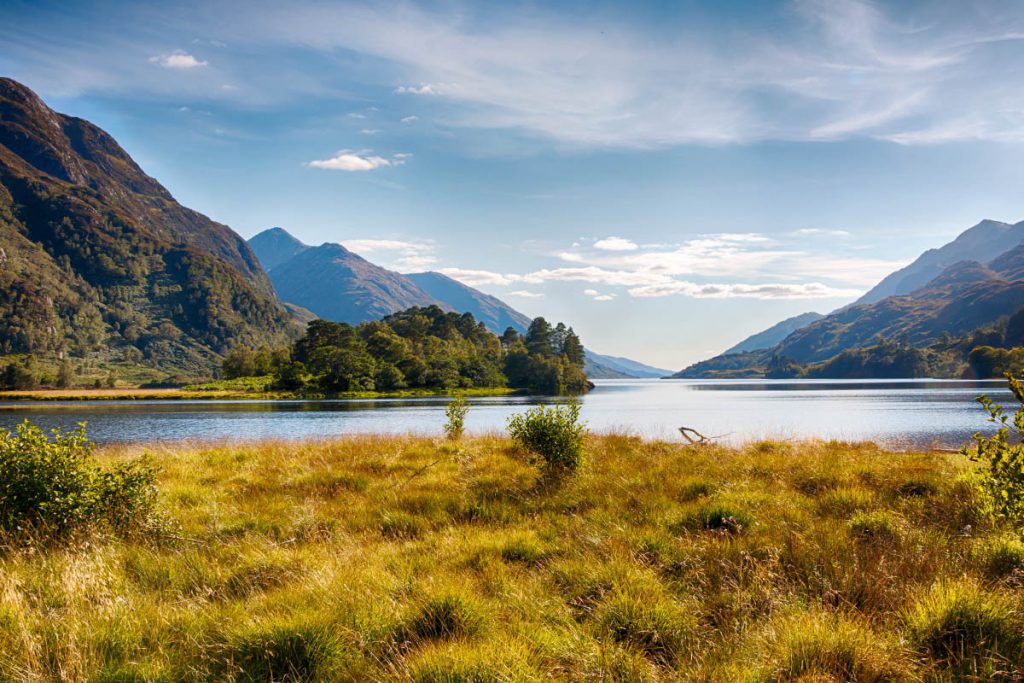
point(338, 285)
point(490, 310)
point(963, 297)
point(97, 259)
point(774, 334)
point(982, 243)
point(617, 367)
point(275, 246)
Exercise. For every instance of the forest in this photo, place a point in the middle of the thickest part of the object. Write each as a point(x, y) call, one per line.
point(419, 348)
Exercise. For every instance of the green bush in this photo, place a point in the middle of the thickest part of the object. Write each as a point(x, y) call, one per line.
point(456, 414)
point(54, 486)
point(1004, 480)
point(553, 432)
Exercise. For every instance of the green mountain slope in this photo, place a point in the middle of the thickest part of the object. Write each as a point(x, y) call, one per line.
point(97, 259)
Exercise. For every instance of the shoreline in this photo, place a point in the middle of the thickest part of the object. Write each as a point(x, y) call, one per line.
point(184, 394)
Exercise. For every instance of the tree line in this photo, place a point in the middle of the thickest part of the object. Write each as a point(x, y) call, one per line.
point(419, 348)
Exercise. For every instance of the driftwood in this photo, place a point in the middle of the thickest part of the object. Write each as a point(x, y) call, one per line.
point(700, 438)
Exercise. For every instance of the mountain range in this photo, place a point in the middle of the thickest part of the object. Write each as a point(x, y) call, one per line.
point(98, 260)
point(337, 284)
point(974, 282)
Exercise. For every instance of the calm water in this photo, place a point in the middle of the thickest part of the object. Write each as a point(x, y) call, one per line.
point(900, 414)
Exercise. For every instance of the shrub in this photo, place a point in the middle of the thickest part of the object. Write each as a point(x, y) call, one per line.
point(960, 625)
point(1004, 480)
point(54, 485)
point(456, 414)
point(555, 433)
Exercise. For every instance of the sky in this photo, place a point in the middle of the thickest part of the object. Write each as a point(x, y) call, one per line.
point(666, 177)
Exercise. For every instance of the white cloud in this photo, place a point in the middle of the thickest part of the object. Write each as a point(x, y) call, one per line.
point(370, 131)
point(615, 244)
point(591, 292)
point(475, 278)
point(405, 256)
point(347, 160)
point(522, 293)
point(408, 120)
point(365, 246)
point(605, 297)
point(837, 69)
point(424, 89)
point(810, 290)
point(177, 60)
point(810, 232)
point(356, 115)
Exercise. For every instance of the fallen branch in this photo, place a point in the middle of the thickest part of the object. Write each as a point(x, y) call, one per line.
point(416, 474)
point(686, 431)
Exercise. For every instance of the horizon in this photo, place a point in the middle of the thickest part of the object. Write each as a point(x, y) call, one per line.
point(695, 174)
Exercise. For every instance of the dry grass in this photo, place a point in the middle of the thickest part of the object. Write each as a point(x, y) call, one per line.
point(357, 559)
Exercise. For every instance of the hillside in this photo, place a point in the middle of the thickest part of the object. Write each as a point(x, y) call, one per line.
point(964, 297)
point(774, 334)
point(97, 259)
point(982, 243)
point(600, 366)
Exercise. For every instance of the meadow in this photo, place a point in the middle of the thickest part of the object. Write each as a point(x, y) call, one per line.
point(410, 558)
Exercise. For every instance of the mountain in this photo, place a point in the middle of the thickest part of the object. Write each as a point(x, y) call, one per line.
point(982, 243)
point(275, 246)
point(98, 260)
point(598, 366)
point(774, 334)
point(963, 297)
point(338, 285)
point(490, 310)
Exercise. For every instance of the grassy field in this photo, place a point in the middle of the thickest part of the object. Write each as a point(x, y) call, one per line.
point(380, 558)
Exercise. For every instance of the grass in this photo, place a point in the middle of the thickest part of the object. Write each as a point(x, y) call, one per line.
point(417, 559)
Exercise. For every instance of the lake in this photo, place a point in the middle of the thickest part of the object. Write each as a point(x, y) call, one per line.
point(897, 413)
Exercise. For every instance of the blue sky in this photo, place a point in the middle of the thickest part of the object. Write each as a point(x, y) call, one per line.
point(666, 177)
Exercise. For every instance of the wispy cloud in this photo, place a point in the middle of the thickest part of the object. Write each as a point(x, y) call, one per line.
point(401, 255)
point(409, 120)
point(524, 294)
point(347, 160)
point(732, 265)
point(177, 60)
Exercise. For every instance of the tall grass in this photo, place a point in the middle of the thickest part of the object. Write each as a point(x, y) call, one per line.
point(403, 558)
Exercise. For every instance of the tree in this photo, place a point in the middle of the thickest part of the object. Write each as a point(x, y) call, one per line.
point(572, 349)
point(538, 337)
point(509, 337)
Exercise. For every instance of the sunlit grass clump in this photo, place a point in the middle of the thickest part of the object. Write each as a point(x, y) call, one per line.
point(417, 559)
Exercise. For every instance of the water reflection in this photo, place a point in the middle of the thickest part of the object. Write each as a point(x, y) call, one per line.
point(898, 413)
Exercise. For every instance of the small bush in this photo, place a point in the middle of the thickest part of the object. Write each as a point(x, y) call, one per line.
point(445, 617)
point(1004, 480)
point(54, 485)
point(555, 433)
point(456, 423)
point(999, 557)
point(962, 626)
point(716, 517)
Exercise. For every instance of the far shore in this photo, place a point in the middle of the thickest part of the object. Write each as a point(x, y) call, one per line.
point(187, 394)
